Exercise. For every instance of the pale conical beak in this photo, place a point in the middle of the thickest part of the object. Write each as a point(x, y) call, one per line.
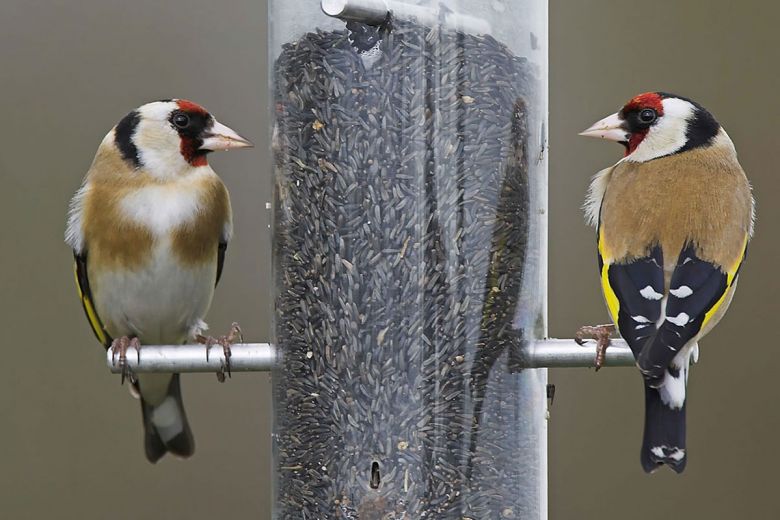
point(611, 127)
point(220, 137)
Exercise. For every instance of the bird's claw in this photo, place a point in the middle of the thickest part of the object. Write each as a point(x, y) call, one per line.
point(119, 348)
point(233, 336)
point(600, 333)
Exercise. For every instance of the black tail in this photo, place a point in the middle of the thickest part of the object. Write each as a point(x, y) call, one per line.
point(664, 438)
point(165, 424)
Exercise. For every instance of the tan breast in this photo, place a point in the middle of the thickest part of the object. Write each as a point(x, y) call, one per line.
point(701, 196)
point(127, 212)
point(196, 242)
point(112, 241)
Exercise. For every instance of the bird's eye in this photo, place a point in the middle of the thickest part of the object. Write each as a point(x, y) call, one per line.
point(647, 115)
point(181, 120)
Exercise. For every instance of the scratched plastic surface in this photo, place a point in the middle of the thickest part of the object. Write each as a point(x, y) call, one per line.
point(409, 262)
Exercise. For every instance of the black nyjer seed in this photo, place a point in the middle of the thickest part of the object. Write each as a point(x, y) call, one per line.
point(405, 253)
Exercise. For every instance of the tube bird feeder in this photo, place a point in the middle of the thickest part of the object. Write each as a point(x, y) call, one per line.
point(409, 258)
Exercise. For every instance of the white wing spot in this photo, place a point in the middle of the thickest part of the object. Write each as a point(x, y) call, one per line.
point(640, 319)
point(668, 452)
point(680, 320)
point(682, 292)
point(677, 454)
point(650, 294)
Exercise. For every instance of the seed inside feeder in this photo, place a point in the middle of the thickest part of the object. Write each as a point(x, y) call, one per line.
point(402, 243)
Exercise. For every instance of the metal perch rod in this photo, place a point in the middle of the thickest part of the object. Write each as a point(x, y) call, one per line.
point(567, 353)
point(244, 357)
point(261, 357)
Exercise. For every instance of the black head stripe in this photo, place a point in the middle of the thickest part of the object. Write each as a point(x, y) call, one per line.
point(123, 137)
point(702, 129)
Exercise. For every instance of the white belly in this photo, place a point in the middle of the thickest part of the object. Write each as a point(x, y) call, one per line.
point(162, 303)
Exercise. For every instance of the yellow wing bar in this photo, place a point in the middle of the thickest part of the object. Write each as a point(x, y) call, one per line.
point(82, 283)
point(731, 274)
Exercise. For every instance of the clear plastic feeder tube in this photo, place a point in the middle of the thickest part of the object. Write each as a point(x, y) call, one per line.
point(410, 234)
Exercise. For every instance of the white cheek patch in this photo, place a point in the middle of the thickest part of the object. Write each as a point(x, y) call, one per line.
point(159, 149)
point(157, 142)
point(668, 135)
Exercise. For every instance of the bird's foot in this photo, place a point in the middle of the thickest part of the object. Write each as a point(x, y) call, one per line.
point(602, 334)
point(233, 336)
point(119, 349)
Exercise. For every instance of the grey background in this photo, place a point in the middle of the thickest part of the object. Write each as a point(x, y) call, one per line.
point(70, 437)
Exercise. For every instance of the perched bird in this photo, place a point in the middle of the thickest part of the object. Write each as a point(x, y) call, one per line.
point(674, 217)
point(149, 228)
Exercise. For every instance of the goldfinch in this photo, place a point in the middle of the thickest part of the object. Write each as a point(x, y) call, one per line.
point(149, 228)
point(674, 217)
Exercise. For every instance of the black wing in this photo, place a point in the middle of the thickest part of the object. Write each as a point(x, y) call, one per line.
point(220, 260)
point(85, 294)
point(634, 292)
point(696, 291)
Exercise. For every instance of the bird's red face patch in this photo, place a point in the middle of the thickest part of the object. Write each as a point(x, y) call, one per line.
point(191, 137)
point(190, 107)
point(648, 100)
point(189, 150)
